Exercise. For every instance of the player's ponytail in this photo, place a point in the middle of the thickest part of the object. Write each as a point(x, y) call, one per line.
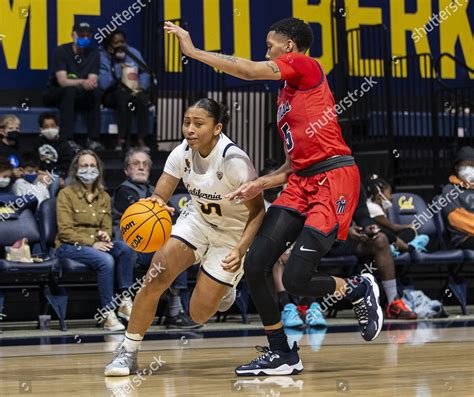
point(218, 111)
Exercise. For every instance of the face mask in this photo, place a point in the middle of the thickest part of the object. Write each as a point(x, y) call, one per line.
point(466, 173)
point(4, 182)
point(83, 42)
point(88, 175)
point(30, 178)
point(50, 133)
point(13, 135)
point(120, 55)
point(386, 203)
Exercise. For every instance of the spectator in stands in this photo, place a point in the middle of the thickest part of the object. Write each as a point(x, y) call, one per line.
point(84, 234)
point(9, 137)
point(379, 201)
point(126, 86)
point(32, 181)
point(73, 84)
point(6, 176)
point(137, 186)
point(55, 153)
point(459, 211)
point(7, 196)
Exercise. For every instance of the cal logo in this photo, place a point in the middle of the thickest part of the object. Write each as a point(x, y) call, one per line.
point(127, 227)
point(183, 202)
point(136, 241)
point(406, 204)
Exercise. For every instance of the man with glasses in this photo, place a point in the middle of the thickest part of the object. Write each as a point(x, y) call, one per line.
point(137, 169)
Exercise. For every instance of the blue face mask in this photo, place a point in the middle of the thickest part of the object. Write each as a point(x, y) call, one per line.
point(30, 178)
point(83, 42)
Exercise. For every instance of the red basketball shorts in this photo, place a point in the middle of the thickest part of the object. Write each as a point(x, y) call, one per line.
point(328, 200)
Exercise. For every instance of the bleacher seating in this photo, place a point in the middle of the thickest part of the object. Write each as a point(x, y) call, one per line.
point(29, 119)
point(406, 206)
point(14, 275)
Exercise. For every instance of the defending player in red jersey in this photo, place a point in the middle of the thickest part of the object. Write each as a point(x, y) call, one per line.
point(316, 207)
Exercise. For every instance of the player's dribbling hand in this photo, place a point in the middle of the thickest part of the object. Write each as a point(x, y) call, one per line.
point(187, 46)
point(160, 202)
point(245, 192)
point(231, 263)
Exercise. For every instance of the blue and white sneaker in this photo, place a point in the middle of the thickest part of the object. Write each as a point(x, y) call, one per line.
point(272, 363)
point(368, 310)
point(290, 316)
point(420, 242)
point(315, 317)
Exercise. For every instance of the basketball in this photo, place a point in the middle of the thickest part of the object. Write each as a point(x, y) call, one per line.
point(145, 226)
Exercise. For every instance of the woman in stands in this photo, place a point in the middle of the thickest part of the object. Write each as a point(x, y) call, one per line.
point(379, 201)
point(211, 230)
point(84, 219)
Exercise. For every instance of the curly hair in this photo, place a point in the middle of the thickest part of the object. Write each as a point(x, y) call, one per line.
point(295, 29)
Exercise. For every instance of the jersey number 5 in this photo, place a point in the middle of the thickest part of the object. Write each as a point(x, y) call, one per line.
point(208, 208)
point(288, 137)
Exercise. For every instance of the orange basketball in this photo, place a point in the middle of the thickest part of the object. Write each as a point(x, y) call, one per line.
point(145, 226)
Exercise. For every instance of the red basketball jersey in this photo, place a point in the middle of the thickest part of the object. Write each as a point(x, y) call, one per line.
point(307, 121)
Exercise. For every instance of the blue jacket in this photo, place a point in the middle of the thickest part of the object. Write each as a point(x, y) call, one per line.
point(106, 79)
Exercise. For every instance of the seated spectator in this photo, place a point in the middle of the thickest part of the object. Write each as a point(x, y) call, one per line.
point(84, 234)
point(126, 86)
point(459, 212)
point(54, 152)
point(137, 186)
point(73, 85)
point(379, 201)
point(9, 136)
point(32, 181)
point(6, 176)
point(8, 198)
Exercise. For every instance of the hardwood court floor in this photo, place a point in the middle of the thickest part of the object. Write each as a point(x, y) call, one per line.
point(416, 362)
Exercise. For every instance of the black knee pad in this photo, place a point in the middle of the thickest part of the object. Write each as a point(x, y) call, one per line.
point(300, 276)
point(313, 244)
point(261, 257)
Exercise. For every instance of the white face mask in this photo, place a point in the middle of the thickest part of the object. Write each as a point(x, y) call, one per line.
point(386, 203)
point(4, 181)
point(88, 175)
point(50, 133)
point(466, 173)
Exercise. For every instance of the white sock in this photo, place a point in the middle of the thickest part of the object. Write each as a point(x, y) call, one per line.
point(390, 287)
point(132, 342)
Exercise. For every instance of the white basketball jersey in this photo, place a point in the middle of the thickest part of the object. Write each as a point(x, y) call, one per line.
point(209, 179)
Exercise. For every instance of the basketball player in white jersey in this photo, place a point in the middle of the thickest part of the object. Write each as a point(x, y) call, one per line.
point(212, 230)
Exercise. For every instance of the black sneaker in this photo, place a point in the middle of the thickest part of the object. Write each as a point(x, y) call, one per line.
point(368, 310)
point(272, 363)
point(182, 320)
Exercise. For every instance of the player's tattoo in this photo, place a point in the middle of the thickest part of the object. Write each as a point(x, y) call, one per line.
point(229, 58)
point(273, 66)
